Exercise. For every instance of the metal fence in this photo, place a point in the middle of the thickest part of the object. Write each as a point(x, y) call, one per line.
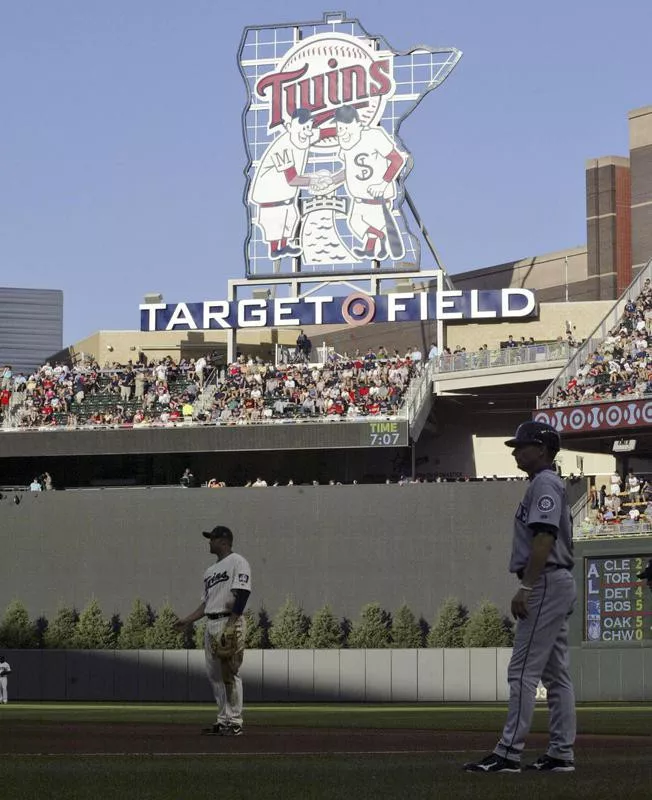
point(504, 357)
point(591, 530)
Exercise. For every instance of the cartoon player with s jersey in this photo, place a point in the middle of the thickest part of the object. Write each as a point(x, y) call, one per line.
point(371, 166)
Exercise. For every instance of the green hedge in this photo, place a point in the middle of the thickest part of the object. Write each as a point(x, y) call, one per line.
point(145, 627)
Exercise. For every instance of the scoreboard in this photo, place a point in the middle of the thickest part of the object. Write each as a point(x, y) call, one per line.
point(618, 605)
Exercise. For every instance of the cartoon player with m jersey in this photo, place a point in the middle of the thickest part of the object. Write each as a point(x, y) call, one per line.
point(278, 179)
point(371, 166)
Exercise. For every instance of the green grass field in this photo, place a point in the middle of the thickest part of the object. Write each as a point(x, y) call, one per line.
point(615, 719)
point(605, 768)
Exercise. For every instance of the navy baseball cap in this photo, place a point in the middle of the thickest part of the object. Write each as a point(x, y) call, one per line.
point(219, 532)
point(535, 433)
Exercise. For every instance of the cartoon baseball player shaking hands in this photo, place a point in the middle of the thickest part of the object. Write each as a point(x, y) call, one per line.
point(371, 166)
point(278, 180)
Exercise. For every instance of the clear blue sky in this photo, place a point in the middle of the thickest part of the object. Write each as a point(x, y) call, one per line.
point(121, 153)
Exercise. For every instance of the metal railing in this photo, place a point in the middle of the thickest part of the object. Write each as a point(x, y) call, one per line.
point(578, 510)
point(286, 354)
point(597, 337)
point(418, 391)
point(503, 357)
point(589, 530)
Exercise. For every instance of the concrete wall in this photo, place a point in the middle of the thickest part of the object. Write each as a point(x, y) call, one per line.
point(362, 676)
point(466, 436)
point(343, 545)
point(548, 273)
point(551, 323)
point(119, 347)
point(492, 457)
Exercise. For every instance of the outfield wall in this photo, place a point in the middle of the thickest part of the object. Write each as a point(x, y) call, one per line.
point(343, 545)
point(372, 676)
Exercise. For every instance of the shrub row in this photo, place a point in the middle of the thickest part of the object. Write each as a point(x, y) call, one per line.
point(290, 628)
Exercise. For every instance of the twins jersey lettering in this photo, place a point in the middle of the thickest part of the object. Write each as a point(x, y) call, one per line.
point(544, 502)
point(366, 163)
point(232, 572)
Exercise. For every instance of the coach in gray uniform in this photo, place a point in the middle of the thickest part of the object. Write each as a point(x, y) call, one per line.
point(542, 559)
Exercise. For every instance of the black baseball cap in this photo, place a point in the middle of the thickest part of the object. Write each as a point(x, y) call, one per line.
point(647, 572)
point(219, 532)
point(536, 433)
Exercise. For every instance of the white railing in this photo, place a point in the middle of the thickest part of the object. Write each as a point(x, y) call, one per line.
point(579, 510)
point(591, 530)
point(597, 337)
point(504, 357)
point(418, 391)
point(229, 423)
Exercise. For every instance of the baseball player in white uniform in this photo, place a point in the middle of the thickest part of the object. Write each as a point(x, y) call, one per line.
point(227, 586)
point(277, 182)
point(542, 559)
point(371, 164)
point(5, 669)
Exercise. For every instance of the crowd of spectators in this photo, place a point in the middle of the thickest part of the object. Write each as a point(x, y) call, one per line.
point(87, 394)
point(625, 502)
point(166, 393)
point(621, 366)
point(404, 480)
point(361, 385)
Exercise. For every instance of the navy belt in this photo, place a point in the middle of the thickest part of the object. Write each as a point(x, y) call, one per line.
point(221, 615)
point(548, 568)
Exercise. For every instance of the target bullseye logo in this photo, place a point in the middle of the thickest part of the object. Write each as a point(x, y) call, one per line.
point(358, 309)
point(646, 413)
point(613, 416)
point(577, 419)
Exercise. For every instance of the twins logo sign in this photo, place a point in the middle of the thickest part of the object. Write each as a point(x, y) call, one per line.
point(326, 164)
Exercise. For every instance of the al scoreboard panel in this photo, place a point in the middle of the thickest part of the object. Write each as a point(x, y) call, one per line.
point(618, 605)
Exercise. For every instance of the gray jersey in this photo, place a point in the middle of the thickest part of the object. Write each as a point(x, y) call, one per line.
point(545, 502)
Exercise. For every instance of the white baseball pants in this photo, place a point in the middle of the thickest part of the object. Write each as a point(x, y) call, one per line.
point(223, 674)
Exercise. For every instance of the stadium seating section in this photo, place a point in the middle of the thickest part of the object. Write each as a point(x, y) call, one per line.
point(165, 393)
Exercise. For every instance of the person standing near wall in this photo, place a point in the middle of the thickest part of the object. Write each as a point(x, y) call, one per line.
point(646, 575)
point(5, 669)
point(542, 559)
point(227, 586)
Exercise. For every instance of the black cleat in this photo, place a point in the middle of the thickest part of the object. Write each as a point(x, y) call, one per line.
point(214, 730)
point(231, 730)
point(493, 763)
point(549, 764)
